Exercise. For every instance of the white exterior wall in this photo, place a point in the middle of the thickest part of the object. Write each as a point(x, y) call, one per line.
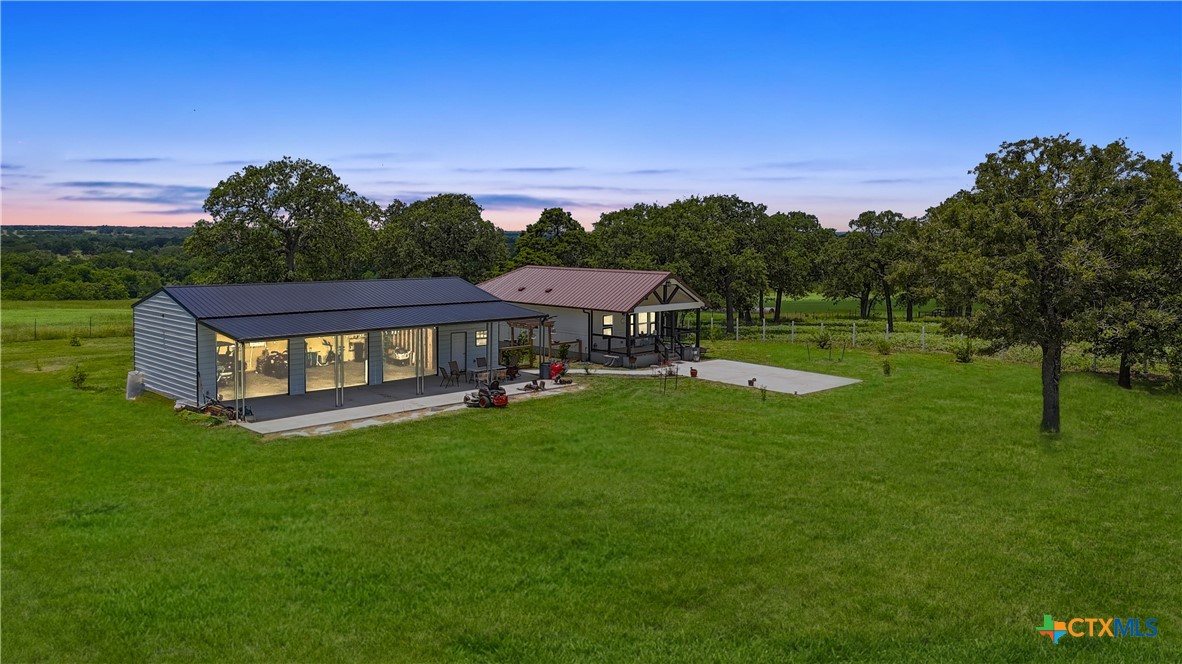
point(297, 381)
point(373, 346)
point(165, 342)
point(571, 324)
point(207, 363)
point(443, 345)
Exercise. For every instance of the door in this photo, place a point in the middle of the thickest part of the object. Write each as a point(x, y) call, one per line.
point(459, 349)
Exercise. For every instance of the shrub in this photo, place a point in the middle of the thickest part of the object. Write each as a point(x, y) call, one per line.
point(963, 349)
point(882, 346)
point(77, 376)
point(563, 352)
point(822, 338)
point(886, 366)
point(75, 340)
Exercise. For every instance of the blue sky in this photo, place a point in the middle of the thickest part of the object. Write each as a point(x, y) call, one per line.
point(128, 113)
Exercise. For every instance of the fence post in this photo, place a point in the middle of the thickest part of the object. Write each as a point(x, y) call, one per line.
point(764, 328)
point(34, 329)
point(888, 334)
point(923, 333)
point(736, 325)
point(855, 334)
point(822, 328)
point(792, 334)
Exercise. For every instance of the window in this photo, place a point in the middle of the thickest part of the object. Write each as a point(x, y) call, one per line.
point(609, 320)
point(481, 337)
point(646, 322)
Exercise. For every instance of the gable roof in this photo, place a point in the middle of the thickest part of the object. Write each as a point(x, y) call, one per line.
point(269, 311)
point(578, 287)
point(222, 300)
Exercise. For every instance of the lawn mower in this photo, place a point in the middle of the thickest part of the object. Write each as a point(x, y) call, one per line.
point(487, 395)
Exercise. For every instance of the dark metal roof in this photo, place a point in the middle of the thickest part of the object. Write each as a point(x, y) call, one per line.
point(577, 287)
point(274, 326)
point(222, 300)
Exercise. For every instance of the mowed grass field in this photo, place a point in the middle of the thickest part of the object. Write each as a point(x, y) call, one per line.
point(919, 516)
point(26, 321)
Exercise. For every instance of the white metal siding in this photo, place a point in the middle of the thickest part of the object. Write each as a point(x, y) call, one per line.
point(373, 346)
point(166, 347)
point(296, 366)
point(207, 363)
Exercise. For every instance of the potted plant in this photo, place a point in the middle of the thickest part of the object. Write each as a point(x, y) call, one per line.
point(693, 372)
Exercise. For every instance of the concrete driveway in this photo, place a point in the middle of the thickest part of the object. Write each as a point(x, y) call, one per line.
point(775, 379)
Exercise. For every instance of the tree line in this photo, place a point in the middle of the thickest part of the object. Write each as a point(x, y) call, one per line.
point(1056, 242)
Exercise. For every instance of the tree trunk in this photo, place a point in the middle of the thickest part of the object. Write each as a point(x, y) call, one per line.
point(730, 309)
point(968, 310)
point(886, 289)
point(910, 307)
point(1052, 366)
point(1125, 379)
point(779, 301)
point(291, 270)
point(864, 302)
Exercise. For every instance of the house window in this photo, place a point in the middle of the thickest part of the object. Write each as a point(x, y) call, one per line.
point(646, 322)
point(609, 321)
point(481, 337)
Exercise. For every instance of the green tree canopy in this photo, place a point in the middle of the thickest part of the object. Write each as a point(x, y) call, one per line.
point(444, 235)
point(1035, 234)
point(554, 239)
point(288, 220)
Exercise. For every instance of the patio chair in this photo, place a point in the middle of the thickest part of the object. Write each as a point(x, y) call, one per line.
point(449, 378)
point(456, 371)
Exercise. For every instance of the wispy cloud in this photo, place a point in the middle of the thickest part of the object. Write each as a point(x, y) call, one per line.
point(777, 178)
point(909, 180)
point(179, 199)
point(381, 156)
point(10, 167)
point(522, 169)
point(124, 160)
point(807, 165)
point(654, 171)
point(512, 201)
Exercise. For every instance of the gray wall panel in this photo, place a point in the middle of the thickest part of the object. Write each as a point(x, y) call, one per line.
point(166, 347)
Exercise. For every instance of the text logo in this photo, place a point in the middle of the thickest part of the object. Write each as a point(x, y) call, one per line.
point(1096, 627)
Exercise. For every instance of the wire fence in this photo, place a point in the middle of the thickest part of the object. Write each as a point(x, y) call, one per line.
point(929, 336)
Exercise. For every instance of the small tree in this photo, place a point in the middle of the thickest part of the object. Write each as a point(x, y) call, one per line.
point(77, 376)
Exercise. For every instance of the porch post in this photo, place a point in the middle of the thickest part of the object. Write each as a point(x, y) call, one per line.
point(628, 337)
point(698, 327)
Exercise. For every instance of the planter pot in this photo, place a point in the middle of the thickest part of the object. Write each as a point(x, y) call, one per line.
point(693, 373)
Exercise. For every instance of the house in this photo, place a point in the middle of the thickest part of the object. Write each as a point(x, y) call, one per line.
point(246, 341)
point(617, 317)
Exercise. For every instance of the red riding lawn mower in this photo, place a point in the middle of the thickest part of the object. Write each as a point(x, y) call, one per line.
point(487, 395)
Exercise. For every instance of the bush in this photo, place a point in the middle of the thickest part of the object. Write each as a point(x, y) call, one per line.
point(886, 366)
point(822, 338)
point(77, 376)
point(882, 346)
point(963, 349)
point(75, 340)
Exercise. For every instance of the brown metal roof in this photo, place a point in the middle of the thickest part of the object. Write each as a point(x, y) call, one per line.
point(576, 287)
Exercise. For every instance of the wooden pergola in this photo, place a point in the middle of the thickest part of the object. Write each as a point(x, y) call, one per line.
point(544, 328)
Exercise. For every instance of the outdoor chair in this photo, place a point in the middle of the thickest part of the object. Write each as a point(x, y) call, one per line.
point(449, 378)
point(456, 371)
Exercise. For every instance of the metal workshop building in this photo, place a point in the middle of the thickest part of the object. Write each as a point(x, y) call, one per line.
point(241, 341)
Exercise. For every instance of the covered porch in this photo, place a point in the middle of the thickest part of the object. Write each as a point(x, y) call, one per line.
point(408, 390)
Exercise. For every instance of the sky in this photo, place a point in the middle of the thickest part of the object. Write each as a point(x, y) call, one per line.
point(129, 113)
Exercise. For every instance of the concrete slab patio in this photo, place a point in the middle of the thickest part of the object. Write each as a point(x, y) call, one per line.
point(329, 420)
point(776, 379)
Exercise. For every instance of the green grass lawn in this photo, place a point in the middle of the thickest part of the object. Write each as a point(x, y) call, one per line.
point(919, 516)
point(61, 319)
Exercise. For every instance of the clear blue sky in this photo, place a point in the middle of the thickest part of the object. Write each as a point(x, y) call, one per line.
point(129, 113)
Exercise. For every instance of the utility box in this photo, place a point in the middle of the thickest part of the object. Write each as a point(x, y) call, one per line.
point(691, 354)
point(135, 384)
